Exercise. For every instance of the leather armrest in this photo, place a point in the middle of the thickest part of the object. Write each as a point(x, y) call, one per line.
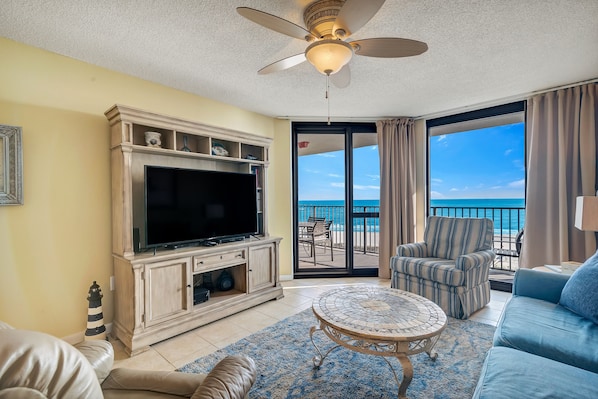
point(231, 378)
point(168, 382)
point(5, 326)
point(100, 355)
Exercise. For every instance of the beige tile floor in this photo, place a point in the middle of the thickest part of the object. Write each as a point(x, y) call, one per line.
point(298, 295)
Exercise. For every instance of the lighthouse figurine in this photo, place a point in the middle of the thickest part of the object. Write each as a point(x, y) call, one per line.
point(95, 317)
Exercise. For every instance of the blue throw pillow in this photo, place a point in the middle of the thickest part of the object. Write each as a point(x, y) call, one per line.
point(580, 293)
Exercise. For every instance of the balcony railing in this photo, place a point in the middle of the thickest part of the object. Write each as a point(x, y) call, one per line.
point(508, 222)
point(508, 228)
point(366, 224)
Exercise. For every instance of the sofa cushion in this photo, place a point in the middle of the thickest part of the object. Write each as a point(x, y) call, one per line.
point(509, 373)
point(580, 294)
point(434, 269)
point(549, 330)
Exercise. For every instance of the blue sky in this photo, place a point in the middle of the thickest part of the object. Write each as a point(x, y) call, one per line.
point(321, 176)
point(484, 163)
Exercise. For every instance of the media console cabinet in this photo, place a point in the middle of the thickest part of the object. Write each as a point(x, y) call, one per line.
point(154, 290)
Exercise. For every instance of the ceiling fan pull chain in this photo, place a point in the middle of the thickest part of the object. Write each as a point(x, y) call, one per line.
point(328, 95)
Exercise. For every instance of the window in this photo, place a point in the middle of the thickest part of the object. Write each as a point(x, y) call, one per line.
point(476, 168)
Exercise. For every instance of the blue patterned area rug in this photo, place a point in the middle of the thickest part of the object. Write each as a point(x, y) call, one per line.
point(283, 354)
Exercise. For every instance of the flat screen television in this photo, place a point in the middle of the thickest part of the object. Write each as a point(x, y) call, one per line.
point(185, 205)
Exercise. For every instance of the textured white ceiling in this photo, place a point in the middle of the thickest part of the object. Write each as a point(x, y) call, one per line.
point(480, 51)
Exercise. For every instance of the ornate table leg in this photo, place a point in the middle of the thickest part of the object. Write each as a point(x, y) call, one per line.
point(407, 375)
point(319, 358)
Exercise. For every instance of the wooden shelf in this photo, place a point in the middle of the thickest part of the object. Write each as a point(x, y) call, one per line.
point(154, 291)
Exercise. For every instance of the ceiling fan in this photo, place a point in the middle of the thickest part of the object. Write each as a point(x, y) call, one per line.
point(329, 24)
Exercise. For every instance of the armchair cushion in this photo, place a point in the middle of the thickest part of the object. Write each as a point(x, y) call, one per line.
point(432, 269)
point(444, 236)
point(579, 294)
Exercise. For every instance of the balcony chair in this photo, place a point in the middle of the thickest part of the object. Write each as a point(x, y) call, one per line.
point(515, 253)
point(317, 231)
point(450, 267)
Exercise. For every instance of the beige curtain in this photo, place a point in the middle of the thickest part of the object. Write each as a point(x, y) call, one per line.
point(562, 128)
point(396, 143)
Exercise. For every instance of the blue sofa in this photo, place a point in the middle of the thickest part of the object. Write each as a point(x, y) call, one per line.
point(541, 349)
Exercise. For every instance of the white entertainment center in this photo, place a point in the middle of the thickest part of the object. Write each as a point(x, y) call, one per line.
point(154, 289)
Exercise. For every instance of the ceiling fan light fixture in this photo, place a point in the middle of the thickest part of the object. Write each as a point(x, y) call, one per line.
point(328, 56)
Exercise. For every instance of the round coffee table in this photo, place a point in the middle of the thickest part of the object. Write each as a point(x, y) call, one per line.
point(379, 321)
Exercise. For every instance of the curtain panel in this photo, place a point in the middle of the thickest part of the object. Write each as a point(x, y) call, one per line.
point(396, 145)
point(562, 128)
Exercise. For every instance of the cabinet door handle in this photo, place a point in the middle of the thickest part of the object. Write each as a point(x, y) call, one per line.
point(188, 285)
point(250, 270)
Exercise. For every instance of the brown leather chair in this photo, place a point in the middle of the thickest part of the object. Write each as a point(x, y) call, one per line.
point(37, 365)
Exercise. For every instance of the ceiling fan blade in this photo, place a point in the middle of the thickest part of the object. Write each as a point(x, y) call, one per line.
point(275, 23)
point(283, 64)
point(342, 78)
point(354, 14)
point(389, 47)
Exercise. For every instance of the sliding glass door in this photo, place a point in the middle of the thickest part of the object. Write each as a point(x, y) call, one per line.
point(331, 238)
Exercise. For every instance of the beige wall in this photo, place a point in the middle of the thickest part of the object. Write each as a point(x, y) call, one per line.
point(55, 245)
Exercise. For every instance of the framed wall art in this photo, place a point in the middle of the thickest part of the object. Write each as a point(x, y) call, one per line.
point(11, 165)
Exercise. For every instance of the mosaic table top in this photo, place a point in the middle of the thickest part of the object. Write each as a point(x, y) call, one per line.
point(380, 313)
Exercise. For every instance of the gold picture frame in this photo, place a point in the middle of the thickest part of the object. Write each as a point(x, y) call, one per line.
point(11, 166)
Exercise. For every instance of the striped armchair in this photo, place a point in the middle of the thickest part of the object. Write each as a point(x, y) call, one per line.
point(450, 267)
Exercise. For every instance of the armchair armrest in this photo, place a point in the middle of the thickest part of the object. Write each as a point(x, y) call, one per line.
point(100, 355)
point(413, 250)
point(540, 285)
point(168, 382)
point(476, 259)
point(231, 378)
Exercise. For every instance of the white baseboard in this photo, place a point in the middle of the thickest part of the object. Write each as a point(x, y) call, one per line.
point(286, 277)
point(80, 337)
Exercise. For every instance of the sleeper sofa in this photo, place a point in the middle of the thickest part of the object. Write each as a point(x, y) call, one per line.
point(546, 341)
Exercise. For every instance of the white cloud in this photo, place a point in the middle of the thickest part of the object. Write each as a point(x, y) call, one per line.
point(436, 180)
point(454, 189)
point(326, 155)
point(517, 183)
point(436, 195)
point(359, 187)
point(495, 187)
point(333, 175)
point(374, 177)
point(442, 137)
point(507, 152)
point(341, 185)
point(312, 171)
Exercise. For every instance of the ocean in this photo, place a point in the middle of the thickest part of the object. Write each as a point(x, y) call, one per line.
point(508, 214)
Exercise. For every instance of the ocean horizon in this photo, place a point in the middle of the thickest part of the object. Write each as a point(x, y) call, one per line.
point(506, 213)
